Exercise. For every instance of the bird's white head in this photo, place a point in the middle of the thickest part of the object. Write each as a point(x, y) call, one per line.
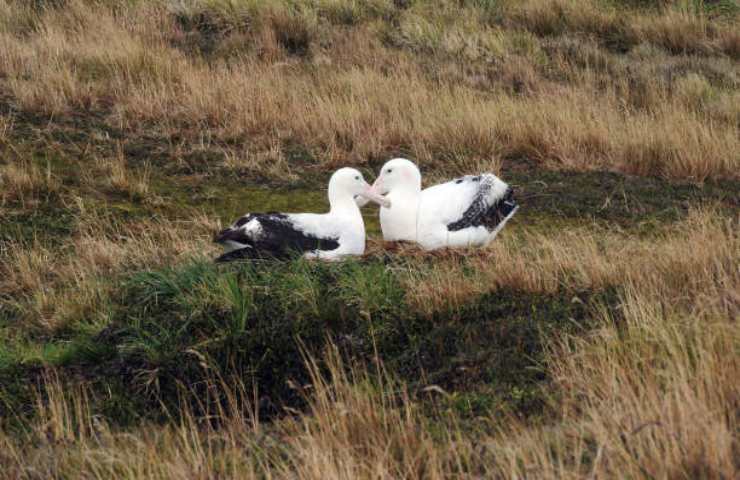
point(348, 183)
point(398, 174)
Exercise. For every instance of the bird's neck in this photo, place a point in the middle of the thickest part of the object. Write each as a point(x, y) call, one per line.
point(345, 210)
point(400, 221)
point(406, 198)
point(343, 205)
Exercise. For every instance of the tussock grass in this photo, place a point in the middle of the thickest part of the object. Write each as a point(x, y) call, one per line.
point(615, 416)
point(349, 96)
point(675, 264)
point(26, 183)
point(53, 289)
point(575, 130)
point(120, 178)
point(682, 406)
point(581, 259)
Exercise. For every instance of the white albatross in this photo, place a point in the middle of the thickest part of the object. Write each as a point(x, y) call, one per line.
point(328, 236)
point(467, 211)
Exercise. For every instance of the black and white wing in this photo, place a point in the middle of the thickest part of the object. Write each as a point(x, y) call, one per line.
point(274, 235)
point(489, 202)
point(466, 211)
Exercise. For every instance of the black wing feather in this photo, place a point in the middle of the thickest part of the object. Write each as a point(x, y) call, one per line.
point(235, 232)
point(481, 212)
point(246, 253)
point(278, 238)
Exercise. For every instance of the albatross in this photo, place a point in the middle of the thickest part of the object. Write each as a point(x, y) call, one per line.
point(327, 236)
point(467, 211)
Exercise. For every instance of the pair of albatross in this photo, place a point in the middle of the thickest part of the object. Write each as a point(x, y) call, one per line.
point(467, 211)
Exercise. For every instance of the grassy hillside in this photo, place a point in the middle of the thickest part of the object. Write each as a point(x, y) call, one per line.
point(597, 337)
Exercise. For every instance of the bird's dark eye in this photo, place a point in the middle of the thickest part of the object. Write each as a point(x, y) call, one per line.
point(389, 170)
point(357, 177)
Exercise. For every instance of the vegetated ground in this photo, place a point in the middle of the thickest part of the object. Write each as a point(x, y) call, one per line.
point(597, 337)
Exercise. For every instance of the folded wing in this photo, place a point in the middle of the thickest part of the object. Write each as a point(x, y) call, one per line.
point(488, 204)
point(272, 235)
point(466, 211)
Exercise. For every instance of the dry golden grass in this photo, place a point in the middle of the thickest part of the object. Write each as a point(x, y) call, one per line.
point(648, 395)
point(657, 396)
point(53, 287)
point(24, 182)
point(675, 264)
point(115, 175)
point(652, 400)
point(351, 98)
point(358, 428)
point(681, 29)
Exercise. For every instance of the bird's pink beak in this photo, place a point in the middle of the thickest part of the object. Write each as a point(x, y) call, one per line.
point(372, 194)
point(377, 184)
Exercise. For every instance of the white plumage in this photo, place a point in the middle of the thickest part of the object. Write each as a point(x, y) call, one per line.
point(327, 236)
point(468, 211)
